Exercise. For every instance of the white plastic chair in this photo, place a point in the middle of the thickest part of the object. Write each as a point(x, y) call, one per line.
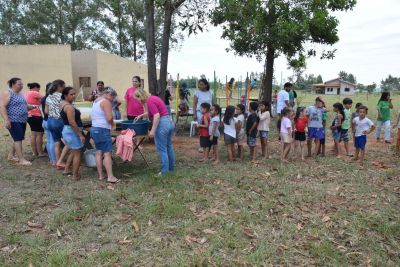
point(193, 125)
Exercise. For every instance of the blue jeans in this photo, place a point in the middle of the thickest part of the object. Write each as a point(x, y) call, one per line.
point(49, 142)
point(163, 140)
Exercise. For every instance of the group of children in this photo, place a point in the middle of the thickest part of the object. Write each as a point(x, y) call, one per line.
point(312, 122)
point(299, 130)
point(236, 128)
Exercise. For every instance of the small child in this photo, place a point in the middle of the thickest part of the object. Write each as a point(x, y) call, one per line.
point(397, 125)
point(251, 130)
point(353, 116)
point(362, 126)
point(300, 130)
point(263, 127)
point(336, 126)
point(344, 133)
point(214, 130)
point(204, 132)
point(286, 133)
point(183, 106)
point(230, 131)
point(240, 120)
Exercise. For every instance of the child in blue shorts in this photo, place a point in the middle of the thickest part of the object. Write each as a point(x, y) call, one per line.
point(316, 129)
point(362, 126)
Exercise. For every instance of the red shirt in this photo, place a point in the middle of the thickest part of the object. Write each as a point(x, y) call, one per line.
point(33, 98)
point(133, 106)
point(301, 124)
point(156, 105)
point(204, 131)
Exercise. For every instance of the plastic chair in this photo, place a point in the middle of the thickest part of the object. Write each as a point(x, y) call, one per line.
point(192, 128)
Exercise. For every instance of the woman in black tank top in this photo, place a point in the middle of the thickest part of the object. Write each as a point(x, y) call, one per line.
point(72, 132)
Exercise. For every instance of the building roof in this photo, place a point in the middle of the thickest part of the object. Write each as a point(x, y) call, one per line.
point(333, 83)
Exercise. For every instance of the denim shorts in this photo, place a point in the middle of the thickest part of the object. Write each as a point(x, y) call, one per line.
point(336, 135)
point(251, 141)
point(344, 135)
point(55, 126)
point(17, 131)
point(264, 134)
point(316, 133)
point(229, 140)
point(102, 139)
point(71, 139)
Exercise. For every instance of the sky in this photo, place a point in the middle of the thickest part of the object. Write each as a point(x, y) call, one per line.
point(369, 47)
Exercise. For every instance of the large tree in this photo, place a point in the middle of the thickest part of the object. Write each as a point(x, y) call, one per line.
point(390, 83)
point(267, 29)
point(349, 77)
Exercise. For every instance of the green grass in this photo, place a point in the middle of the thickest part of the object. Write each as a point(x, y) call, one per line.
point(285, 208)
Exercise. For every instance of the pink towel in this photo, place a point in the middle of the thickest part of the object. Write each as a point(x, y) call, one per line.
point(124, 145)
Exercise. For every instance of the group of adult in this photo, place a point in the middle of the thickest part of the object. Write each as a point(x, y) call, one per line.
point(55, 115)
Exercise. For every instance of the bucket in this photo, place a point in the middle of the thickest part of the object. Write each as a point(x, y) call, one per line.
point(90, 158)
point(140, 127)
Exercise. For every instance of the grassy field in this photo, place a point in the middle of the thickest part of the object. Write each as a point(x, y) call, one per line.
point(322, 212)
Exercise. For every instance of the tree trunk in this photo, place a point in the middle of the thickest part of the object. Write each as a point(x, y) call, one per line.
point(266, 92)
point(121, 51)
point(168, 11)
point(134, 49)
point(151, 47)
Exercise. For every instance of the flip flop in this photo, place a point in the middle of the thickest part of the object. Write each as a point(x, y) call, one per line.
point(67, 174)
point(113, 182)
point(25, 163)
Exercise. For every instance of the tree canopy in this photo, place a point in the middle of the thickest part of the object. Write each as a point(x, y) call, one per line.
point(267, 29)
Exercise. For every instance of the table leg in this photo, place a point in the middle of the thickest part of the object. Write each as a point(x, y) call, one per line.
point(137, 148)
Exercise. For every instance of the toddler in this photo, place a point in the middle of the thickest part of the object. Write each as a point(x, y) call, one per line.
point(214, 131)
point(240, 129)
point(286, 133)
point(300, 130)
point(204, 132)
point(362, 126)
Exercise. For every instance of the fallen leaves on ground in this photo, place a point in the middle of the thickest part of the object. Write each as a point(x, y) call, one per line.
point(135, 226)
point(249, 233)
point(35, 225)
point(125, 241)
point(199, 240)
point(326, 219)
point(110, 187)
point(208, 231)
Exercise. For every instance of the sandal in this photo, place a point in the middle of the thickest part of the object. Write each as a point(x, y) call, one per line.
point(113, 182)
point(67, 174)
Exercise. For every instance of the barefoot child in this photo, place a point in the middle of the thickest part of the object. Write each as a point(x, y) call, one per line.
point(214, 130)
point(263, 126)
point(336, 126)
point(316, 129)
point(286, 133)
point(344, 133)
point(300, 129)
point(251, 130)
point(363, 126)
point(240, 129)
point(230, 131)
point(353, 116)
point(204, 132)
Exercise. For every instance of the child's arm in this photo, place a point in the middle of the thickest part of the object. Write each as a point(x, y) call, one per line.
point(255, 124)
point(206, 123)
point(214, 129)
point(371, 129)
point(238, 126)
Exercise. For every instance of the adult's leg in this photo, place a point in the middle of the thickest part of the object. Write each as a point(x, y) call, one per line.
point(76, 163)
point(230, 151)
point(49, 143)
point(20, 153)
point(378, 129)
point(170, 150)
point(161, 140)
point(39, 143)
point(387, 131)
point(12, 154)
point(33, 143)
point(317, 146)
point(62, 156)
point(68, 164)
point(309, 146)
point(108, 166)
point(99, 164)
point(57, 151)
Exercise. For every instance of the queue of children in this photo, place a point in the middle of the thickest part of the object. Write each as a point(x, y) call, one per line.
point(298, 130)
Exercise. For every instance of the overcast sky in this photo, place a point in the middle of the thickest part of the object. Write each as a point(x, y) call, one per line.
point(369, 47)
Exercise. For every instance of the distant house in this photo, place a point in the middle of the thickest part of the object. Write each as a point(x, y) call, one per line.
point(336, 86)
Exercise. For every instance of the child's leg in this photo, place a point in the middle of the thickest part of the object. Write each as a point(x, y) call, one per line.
point(309, 146)
point(378, 130)
point(302, 150)
point(398, 139)
point(230, 151)
point(206, 153)
point(216, 153)
point(317, 146)
point(362, 153)
point(263, 147)
point(266, 148)
point(323, 149)
point(346, 147)
point(287, 147)
point(356, 154)
point(297, 148)
point(337, 148)
point(252, 153)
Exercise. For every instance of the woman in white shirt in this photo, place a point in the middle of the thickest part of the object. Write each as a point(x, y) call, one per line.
point(202, 95)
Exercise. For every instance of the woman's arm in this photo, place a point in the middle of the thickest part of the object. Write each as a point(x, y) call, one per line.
point(194, 108)
point(156, 121)
point(107, 108)
point(70, 111)
point(4, 101)
point(144, 115)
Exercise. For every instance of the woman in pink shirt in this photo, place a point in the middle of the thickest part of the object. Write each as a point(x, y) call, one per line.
point(134, 107)
point(162, 128)
point(35, 118)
